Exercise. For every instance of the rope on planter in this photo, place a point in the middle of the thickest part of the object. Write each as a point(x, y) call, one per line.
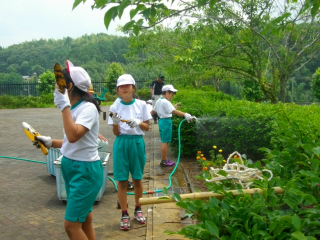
point(239, 173)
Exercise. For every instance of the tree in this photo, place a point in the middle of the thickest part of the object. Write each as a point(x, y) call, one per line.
point(150, 13)
point(46, 83)
point(269, 45)
point(317, 84)
point(115, 70)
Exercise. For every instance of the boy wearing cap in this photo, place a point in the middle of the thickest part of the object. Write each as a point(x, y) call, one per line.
point(130, 119)
point(156, 91)
point(80, 166)
point(165, 109)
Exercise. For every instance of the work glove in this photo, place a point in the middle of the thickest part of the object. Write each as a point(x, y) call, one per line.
point(189, 118)
point(116, 119)
point(46, 141)
point(134, 123)
point(61, 100)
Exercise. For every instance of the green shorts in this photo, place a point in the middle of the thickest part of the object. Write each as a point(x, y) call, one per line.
point(83, 181)
point(165, 129)
point(129, 155)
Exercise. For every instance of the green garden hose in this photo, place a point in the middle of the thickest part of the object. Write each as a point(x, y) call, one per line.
point(115, 184)
point(173, 171)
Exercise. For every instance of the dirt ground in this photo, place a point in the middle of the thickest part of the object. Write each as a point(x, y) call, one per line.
point(192, 168)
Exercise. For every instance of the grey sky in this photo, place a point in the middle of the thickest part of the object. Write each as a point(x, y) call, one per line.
point(27, 20)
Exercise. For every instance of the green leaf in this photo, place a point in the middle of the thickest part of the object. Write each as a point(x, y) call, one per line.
point(161, 5)
point(213, 201)
point(122, 6)
point(298, 235)
point(212, 228)
point(316, 151)
point(212, 2)
point(165, 191)
point(197, 203)
point(146, 13)
point(76, 3)
point(286, 218)
point(202, 3)
point(310, 198)
point(223, 173)
point(128, 25)
point(100, 3)
point(139, 7)
point(310, 238)
point(153, 12)
point(176, 197)
point(182, 205)
point(296, 221)
point(109, 15)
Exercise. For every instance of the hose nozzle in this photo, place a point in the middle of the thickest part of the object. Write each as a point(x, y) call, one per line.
point(122, 120)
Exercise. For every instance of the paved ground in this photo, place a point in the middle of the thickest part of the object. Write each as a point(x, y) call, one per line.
point(29, 206)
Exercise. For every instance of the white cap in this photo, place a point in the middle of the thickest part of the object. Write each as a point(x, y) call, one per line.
point(169, 88)
point(79, 76)
point(125, 79)
point(149, 101)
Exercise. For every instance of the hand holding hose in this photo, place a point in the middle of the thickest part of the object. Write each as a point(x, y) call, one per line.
point(189, 118)
point(116, 118)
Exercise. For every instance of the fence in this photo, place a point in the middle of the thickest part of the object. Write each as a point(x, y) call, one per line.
point(17, 89)
point(30, 89)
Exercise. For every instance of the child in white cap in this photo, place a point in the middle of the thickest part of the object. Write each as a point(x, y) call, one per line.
point(165, 109)
point(80, 166)
point(129, 154)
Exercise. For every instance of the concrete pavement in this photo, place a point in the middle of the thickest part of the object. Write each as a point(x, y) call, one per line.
point(29, 206)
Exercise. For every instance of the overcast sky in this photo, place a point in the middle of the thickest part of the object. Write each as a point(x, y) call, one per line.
point(27, 20)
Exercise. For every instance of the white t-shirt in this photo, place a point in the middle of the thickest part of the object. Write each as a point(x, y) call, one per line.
point(149, 107)
point(86, 148)
point(136, 109)
point(164, 108)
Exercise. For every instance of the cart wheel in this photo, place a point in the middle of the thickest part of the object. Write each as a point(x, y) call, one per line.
point(118, 204)
point(64, 202)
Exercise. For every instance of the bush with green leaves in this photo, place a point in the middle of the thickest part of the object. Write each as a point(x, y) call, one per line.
point(12, 102)
point(144, 94)
point(236, 125)
point(294, 214)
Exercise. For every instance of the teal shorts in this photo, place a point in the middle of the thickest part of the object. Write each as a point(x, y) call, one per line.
point(129, 155)
point(83, 181)
point(165, 129)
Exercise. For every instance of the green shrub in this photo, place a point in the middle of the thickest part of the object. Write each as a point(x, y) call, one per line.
point(12, 102)
point(236, 125)
point(144, 94)
point(294, 214)
point(110, 97)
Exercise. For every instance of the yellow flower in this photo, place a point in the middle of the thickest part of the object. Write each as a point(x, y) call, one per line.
point(235, 156)
point(214, 147)
point(201, 155)
point(220, 150)
point(224, 160)
point(204, 168)
point(198, 158)
point(209, 164)
point(204, 158)
point(199, 152)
